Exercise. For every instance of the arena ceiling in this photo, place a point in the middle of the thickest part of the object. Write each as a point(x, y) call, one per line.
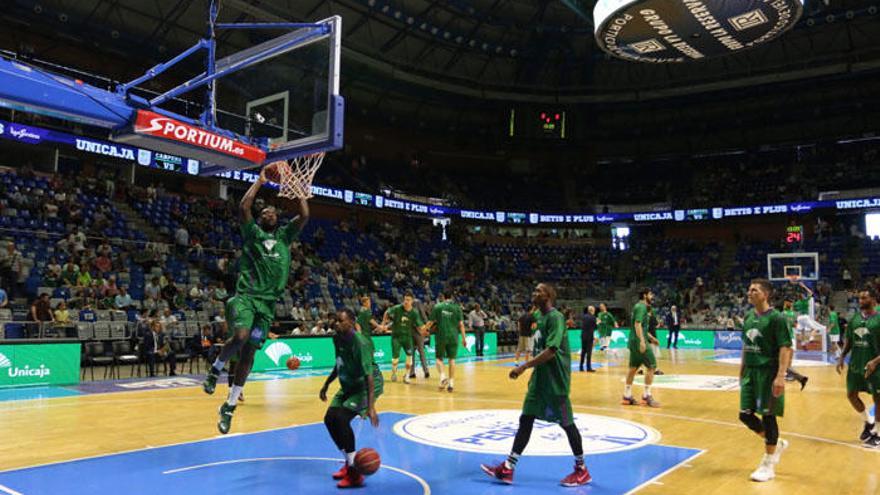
point(529, 50)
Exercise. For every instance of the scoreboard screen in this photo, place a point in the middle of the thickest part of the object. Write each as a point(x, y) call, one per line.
point(794, 234)
point(538, 123)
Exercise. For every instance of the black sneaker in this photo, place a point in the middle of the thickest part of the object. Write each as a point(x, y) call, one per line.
point(658, 372)
point(210, 382)
point(225, 422)
point(866, 433)
point(872, 443)
point(803, 381)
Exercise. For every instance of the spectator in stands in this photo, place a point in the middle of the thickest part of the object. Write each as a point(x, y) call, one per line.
point(220, 293)
point(83, 278)
point(202, 344)
point(41, 313)
point(169, 323)
point(197, 296)
point(69, 274)
point(123, 301)
point(157, 346)
point(170, 294)
point(181, 240)
point(78, 239)
point(4, 299)
point(52, 277)
point(10, 268)
point(62, 317)
point(103, 264)
point(152, 289)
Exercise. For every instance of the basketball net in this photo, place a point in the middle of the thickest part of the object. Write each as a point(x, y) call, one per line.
point(295, 178)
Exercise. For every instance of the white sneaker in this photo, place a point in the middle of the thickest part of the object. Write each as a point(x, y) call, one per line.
point(405, 378)
point(765, 471)
point(780, 448)
point(443, 383)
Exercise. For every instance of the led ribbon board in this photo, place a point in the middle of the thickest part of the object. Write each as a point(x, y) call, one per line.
point(666, 31)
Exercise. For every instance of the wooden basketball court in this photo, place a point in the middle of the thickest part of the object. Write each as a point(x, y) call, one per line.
point(719, 453)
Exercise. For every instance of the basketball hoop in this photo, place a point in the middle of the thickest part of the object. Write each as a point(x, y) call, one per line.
point(296, 177)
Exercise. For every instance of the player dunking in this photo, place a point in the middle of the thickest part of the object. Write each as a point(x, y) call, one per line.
point(863, 339)
point(640, 353)
point(362, 385)
point(263, 270)
point(449, 321)
point(548, 396)
point(766, 355)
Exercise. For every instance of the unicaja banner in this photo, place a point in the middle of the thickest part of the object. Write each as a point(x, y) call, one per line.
point(39, 364)
point(665, 31)
point(318, 352)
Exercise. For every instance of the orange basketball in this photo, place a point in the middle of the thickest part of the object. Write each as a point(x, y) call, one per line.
point(293, 363)
point(273, 172)
point(367, 461)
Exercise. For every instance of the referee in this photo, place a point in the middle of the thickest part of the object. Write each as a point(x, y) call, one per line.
point(588, 328)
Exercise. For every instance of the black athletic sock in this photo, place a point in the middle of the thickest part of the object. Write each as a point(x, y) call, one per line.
point(523, 434)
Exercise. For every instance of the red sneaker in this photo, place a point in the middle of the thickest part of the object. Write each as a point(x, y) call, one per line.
point(499, 472)
point(343, 471)
point(580, 476)
point(353, 479)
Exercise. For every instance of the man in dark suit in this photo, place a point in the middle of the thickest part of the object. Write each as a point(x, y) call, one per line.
point(588, 329)
point(156, 345)
point(673, 323)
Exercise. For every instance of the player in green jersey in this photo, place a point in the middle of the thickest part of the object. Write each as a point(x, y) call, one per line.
point(448, 319)
point(640, 352)
point(863, 339)
point(365, 321)
point(547, 398)
point(807, 328)
point(791, 317)
point(766, 355)
point(607, 324)
point(834, 330)
point(404, 319)
point(263, 270)
point(361, 385)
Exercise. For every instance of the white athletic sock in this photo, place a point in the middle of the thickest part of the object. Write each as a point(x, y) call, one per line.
point(451, 382)
point(234, 394)
point(627, 391)
point(647, 390)
point(218, 365)
point(865, 417)
point(349, 458)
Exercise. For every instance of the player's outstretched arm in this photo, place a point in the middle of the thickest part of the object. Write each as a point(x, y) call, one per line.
point(303, 218)
point(245, 207)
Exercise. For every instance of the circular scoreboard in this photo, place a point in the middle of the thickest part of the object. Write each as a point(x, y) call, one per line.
point(667, 31)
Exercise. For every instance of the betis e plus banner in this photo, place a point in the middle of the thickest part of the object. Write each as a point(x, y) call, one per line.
point(317, 352)
point(39, 364)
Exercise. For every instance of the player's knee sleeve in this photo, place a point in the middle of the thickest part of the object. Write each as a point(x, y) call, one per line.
point(771, 430)
point(751, 421)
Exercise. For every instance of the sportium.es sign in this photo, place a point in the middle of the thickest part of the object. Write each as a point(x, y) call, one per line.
point(665, 31)
point(39, 364)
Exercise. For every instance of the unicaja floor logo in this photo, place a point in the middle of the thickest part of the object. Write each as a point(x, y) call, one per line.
point(491, 431)
point(4, 361)
point(277, 350)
